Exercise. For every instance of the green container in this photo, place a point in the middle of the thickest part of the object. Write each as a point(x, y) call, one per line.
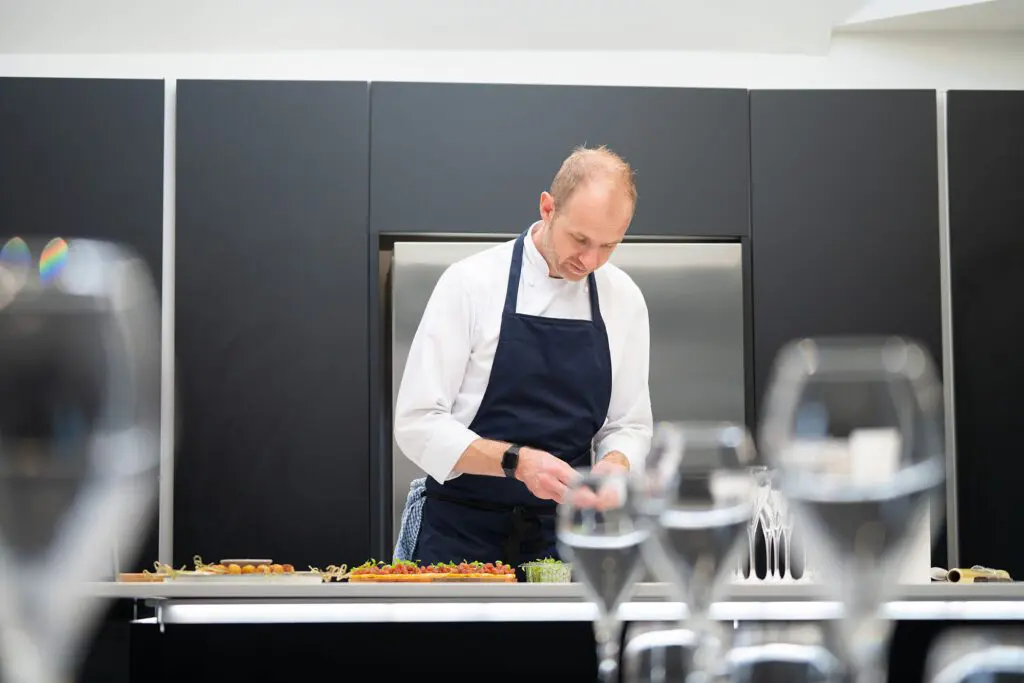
point(548, 572)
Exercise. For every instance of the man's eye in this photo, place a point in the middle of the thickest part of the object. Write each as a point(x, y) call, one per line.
point(580, 239)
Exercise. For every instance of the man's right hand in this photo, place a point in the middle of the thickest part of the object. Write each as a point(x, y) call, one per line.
point(545, 476)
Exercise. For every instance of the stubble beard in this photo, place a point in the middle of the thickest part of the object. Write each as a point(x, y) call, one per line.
point(548, 251)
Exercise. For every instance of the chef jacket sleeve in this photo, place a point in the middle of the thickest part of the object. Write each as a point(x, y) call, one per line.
point(424, 427)
point(629, 426)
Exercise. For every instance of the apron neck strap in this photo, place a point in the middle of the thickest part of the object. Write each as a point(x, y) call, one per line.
point(515, 271)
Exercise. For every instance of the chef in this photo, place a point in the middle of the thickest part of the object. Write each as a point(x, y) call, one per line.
point(530, 362)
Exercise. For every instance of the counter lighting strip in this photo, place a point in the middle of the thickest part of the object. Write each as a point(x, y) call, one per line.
point(239, 612)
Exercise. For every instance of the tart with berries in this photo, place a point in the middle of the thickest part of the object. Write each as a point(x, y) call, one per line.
point(381, 572)
point(474, 571)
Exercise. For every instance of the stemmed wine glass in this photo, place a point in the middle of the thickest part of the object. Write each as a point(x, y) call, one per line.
point(784, 535)
point(787, 651)
point(775, 515)
point(600, 532)
point(706, 499)
point(79, 439)
point(976, 655)
point(853, 428)
point(762, 481)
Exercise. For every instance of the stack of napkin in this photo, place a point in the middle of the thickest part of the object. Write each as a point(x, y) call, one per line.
point(976, 574)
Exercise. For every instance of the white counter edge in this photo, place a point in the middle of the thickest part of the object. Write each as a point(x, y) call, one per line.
point(480, 592)
point(282, 612)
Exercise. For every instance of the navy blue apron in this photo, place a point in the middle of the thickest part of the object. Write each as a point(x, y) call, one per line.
point(549, 388)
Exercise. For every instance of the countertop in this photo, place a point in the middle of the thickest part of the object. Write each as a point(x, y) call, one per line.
point(345, 602)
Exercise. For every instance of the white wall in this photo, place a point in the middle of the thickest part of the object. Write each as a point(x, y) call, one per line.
point(923, 60)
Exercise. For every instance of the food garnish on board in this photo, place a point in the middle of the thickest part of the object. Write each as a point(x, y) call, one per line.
point(232, 568)
point(405, 571)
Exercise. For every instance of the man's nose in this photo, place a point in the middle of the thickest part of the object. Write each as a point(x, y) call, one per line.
point(590, 258)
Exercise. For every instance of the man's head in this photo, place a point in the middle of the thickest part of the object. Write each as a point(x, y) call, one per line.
point(587, 211)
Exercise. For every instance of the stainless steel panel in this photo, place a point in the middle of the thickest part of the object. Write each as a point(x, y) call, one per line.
point(694, 293)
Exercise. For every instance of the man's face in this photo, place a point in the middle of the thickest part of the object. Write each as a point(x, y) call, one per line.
point(583, 234)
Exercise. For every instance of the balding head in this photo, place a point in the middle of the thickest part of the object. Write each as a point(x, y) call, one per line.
point(586, 213)
point(586, 165)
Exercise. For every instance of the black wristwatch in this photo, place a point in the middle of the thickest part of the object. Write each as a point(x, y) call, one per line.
point(510, 461)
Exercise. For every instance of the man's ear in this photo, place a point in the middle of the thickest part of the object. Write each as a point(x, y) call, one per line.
point(547, 206)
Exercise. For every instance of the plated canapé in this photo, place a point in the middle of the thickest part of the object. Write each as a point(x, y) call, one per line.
point(403, 571)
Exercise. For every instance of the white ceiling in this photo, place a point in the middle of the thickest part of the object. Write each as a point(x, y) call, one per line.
point(222, 26)
point(965, 15)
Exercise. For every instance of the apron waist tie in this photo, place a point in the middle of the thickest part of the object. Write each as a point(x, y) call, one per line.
point(523, 518)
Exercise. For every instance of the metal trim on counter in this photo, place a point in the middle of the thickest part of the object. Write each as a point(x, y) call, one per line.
point(524, 592)
point(242, 603)
point(319, 611)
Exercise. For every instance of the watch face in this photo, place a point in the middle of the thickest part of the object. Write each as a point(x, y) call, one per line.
point(510, 460)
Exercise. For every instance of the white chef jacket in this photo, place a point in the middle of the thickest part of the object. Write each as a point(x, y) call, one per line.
point(449, 361)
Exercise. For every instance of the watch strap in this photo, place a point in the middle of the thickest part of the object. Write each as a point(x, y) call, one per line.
point(510, 461)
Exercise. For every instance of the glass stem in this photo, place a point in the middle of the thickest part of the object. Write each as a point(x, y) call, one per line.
point(789, 552)
point(871, 672)
point(705, 651)
point(751, 536)
point(607, 631)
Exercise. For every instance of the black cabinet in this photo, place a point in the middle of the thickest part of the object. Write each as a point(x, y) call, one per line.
point(84, 158)
point(985, 134)
point(844, 218)
point(474, 158)
point(271, 321)
point(845, 223)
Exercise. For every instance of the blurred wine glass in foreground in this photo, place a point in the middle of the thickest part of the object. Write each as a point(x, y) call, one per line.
point(977, 655)
point(853, 428)
point(79, 439)
point(782, 652)
point(705, 498)
point(599, 532)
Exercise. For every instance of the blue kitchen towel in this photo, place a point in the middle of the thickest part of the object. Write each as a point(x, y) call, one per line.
point(411, 516)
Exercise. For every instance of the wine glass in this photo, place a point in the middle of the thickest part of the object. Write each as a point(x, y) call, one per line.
point(707, 497)
point(657, 655)
point(79, 439)
point(775, 513)
point(853, 427)
point(784, 524)
point(599, 531)
point(782, 651)
point(976, 655)
point(762, 482)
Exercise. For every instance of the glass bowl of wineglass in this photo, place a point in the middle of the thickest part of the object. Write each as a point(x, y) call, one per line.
point(976, 655)
point(79, 439)
point(853, 428)
point(600, 533)
point(705, 498)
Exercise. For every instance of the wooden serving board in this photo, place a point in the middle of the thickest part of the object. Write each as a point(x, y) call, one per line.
point(258, 578)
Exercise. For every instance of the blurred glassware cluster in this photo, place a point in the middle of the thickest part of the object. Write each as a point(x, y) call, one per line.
point(849, 462)
point(774, 551)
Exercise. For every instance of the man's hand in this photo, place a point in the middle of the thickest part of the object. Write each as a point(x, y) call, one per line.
point(606, 497)
point(613, 463)
point(545, 476)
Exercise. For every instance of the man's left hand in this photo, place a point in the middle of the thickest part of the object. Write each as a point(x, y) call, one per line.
point(613, 463)
point(606, 497)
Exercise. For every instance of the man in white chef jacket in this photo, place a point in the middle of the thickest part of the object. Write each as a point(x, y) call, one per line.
point(531, 360)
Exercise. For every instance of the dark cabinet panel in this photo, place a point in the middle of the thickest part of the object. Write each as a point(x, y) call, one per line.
point(844, 220)
point(84, 158)
point(271, 321)
point(985, 133)
point(474, 158)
